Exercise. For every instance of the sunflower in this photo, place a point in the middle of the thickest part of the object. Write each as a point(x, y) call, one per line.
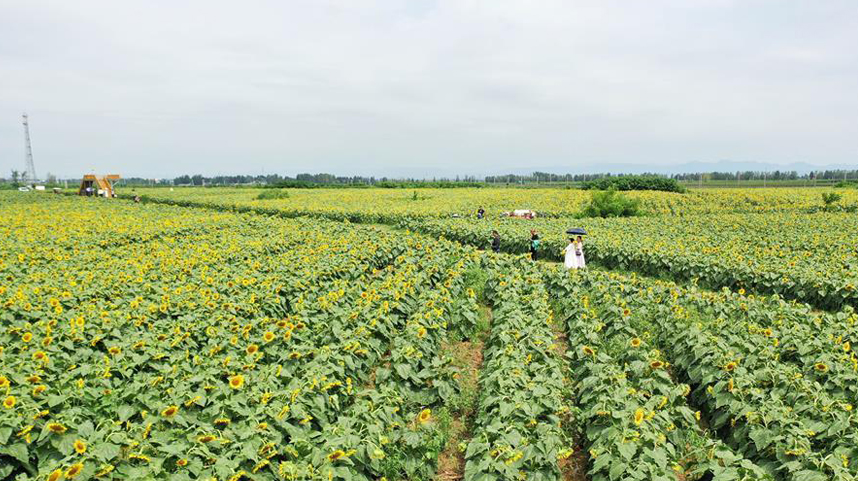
point(636, 342)
point(656, 364)
point(27, 337)
point(74, 470)
point(252, 349)
point(421, 332)
point(80, 446)
point(730, 366)
point(55, 475)
point(206, 438)
point(35, 379)
point(742, 291)
point(182, 463)
point(4, 381)
point(114, 350)
point(295, 355)
point(268, 336)
point(339, 453)
point(105, 470)
point(9, 402)
point(821, 367)
point(236, 381)
point(222, 422)
point(626, 312)
point(170, 411)
point(39, 356)
point(424, 416)
point(39, 389)
point(639, 416)
point(587, 350)
point(767, 332)
point(56, 428)
point(140, 457)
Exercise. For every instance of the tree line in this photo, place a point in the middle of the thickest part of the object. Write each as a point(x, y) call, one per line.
point(308, 180)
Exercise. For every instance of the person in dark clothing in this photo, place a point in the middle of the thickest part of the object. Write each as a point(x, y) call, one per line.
point(495, 241)
point(481, 213)
point(534, 244)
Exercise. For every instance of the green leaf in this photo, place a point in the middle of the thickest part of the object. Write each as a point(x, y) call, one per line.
point(105, 451)
point(125, 412)
point(627, 450)
point(761, 437)
point(4, 434)
point(17, 451)
point(808, 475)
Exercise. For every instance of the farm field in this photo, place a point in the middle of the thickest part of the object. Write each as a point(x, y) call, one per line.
point(391, 205)
point(764, 240)
point(149, 341)
point(809, 257)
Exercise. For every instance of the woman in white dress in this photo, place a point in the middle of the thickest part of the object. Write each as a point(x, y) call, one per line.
point(579, 252)
point(571, 257)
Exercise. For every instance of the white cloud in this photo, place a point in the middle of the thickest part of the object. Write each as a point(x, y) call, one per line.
point(163, 88)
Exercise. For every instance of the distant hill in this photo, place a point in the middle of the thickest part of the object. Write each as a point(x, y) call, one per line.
point(686, 168)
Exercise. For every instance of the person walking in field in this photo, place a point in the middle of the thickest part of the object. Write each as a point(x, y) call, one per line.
point(534, 244)
point(579, 252)
point(570, 260)
point(574, 254)
point(495, 242)
point(481, 213)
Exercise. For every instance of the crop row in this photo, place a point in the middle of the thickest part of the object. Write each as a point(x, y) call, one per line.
point(636, 417)
point(518, 429)
point(800, 256)
point(772, 411)
point(201, 356)
point(393, 205)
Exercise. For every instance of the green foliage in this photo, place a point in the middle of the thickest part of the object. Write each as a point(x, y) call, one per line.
point(634, 182)
point(523, 402)
point(830, 204)
point(273, 194)
point(475, 278)
point(831, 198)
point(387, 184)
point(610, 203)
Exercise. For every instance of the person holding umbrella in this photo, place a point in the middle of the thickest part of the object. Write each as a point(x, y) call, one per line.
point(574, 252)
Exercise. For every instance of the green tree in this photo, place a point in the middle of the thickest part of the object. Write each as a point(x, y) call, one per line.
point(610, 203)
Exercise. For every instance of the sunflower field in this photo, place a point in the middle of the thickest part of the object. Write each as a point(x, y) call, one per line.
point(811, 258)
point(392, 205)
point(228, 338)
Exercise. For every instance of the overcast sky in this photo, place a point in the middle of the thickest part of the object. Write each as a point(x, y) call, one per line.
point(421, 87)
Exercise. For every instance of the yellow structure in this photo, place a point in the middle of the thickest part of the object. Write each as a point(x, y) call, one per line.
point(100, 185)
